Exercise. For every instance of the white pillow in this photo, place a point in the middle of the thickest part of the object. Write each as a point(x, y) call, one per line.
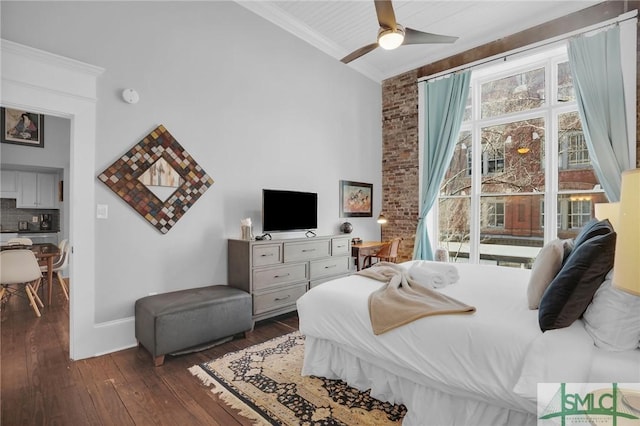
point(613, 318)
point(545, 268)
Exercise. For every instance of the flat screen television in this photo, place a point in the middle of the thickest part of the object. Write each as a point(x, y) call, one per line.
point(289, 210)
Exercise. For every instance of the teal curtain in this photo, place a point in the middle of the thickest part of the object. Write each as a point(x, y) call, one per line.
point(445, 101)
point(597, 79)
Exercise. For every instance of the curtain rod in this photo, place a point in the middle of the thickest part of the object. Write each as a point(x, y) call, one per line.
point(627, 16)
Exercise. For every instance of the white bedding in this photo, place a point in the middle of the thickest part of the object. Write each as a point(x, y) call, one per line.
point(496, 356)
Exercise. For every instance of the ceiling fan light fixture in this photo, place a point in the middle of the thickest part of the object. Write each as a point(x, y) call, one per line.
point(390, 39)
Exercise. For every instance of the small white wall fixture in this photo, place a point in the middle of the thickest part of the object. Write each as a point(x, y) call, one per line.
point(46, 83)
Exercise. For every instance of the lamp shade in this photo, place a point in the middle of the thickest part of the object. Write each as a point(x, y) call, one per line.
point(626, 270)
point(609, 211)
point(381, 219)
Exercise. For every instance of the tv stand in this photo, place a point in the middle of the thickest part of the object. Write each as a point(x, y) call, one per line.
point(309, 234)
point(277, 272)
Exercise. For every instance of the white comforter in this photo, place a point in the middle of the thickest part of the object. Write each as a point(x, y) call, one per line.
point(497, 355)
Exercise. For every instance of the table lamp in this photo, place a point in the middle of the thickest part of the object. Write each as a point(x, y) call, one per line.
point(626, 271)
point(609, 211)
point(382, 220)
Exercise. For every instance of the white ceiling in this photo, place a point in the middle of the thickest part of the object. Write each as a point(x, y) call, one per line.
point(338, 27)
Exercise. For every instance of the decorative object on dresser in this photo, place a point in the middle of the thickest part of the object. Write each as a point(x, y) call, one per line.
point(158, 178)
point(277, 272)
point(22, 127)
point(356, 199)
point(346, 228)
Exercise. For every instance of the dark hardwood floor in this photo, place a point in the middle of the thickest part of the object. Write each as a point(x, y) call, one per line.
point(39, 385)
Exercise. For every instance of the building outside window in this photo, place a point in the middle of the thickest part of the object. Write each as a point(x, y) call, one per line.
point(573, 151)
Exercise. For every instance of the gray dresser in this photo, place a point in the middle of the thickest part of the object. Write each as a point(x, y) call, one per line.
point(277, 272)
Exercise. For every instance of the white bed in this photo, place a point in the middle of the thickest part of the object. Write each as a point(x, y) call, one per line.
point(478, 369)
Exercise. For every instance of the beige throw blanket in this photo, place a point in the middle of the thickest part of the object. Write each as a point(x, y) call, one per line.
point(403, 300)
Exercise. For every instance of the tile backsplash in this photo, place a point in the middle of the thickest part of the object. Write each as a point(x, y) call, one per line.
point(10, 216)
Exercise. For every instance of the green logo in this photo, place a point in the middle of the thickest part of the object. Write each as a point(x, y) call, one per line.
point(600, 406)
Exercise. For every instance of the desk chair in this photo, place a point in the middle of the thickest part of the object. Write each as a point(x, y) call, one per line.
point(20, 267)
point(387, 253)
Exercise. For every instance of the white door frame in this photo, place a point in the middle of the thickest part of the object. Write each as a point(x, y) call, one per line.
point(41, 82)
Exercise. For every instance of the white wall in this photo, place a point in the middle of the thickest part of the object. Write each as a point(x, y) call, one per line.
point(256, 107)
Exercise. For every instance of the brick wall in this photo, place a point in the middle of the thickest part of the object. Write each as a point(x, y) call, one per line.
point(400, 160)
point(400, 153)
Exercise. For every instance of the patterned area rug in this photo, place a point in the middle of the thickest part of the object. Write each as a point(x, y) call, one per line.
point(264, 383)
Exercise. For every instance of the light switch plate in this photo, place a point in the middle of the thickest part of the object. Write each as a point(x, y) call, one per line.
point(102, 211)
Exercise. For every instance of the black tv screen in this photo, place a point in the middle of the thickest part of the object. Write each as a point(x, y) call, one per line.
point(289, 210)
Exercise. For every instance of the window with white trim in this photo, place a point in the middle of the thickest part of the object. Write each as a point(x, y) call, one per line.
point(524, 152)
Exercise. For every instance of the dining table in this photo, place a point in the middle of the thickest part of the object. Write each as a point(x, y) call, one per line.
point(45, 253)
point(363, 249)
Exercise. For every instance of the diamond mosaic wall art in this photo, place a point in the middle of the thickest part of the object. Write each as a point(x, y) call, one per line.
point(158, 178)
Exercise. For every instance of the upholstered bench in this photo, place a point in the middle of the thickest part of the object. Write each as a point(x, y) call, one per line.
point(184, 319)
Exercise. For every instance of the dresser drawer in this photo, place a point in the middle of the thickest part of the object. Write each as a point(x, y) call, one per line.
point(330, 266)
point(268, 254)
point(306, 250)
point(276, 299)
point(272, 276)
point(340, 247)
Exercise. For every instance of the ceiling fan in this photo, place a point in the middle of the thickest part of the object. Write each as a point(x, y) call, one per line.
point(392, 35)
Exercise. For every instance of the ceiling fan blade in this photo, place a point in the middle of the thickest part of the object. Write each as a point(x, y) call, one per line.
point(356, 54)
point(412, 36)
point(386, 16)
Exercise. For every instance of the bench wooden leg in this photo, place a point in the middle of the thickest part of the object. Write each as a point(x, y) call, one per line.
point(158, 361)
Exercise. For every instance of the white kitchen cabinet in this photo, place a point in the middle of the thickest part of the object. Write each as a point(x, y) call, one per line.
point(36, 190)
point(8, 184)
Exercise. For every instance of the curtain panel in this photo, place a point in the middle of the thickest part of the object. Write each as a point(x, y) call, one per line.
point(445, 101)
point(597, 79)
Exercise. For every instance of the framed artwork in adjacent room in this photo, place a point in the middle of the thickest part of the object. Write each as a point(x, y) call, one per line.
point(356, 199)
point(22, 127)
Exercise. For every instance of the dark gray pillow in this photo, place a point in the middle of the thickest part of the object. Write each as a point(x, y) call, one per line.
point(591, 229)
point(571, 291)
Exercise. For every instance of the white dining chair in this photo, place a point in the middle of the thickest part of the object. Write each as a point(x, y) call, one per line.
point(59, 264)
point(20, 267)
point(20, 241)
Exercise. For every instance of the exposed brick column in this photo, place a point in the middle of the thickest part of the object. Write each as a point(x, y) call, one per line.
point(400, 160)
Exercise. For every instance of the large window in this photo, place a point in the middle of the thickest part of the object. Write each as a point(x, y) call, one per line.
point(521, 150)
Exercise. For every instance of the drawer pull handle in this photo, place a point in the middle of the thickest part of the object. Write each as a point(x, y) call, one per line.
point(306, 250)
point(279, 299)
point(281, 276)
point(266, 255)
point(340, 246)
point(330, 266)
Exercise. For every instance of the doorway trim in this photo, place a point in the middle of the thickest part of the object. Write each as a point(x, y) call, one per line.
point(42, 82)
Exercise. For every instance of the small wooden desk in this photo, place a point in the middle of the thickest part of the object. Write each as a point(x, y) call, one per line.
point(45, 252)
point(364, 248)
